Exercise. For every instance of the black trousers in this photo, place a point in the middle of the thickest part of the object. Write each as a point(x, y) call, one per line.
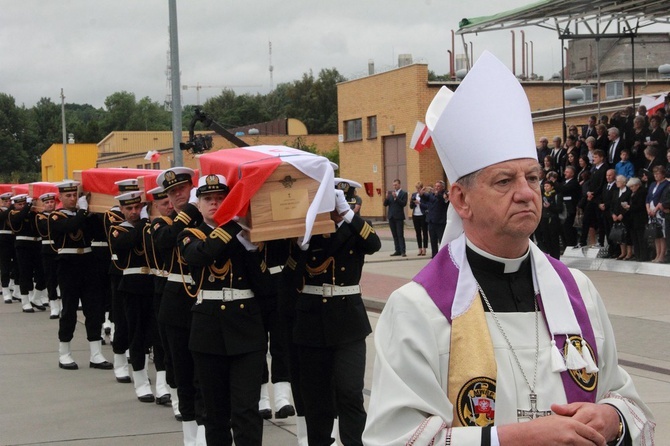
point(121, 341)
point(74, 280)
point(157, 341)
point(551, 230)
point(398, 231)
point(190, 398)
point(50, 265)
point(139, 312)
point(29, 260)
point(569, 231)
point(421, 230)
point(6, 261)
point(278, 340)
point(231, 388)
point(331, 384)
point(436, 232)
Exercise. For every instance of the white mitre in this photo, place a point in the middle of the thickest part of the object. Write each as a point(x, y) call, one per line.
point(465, 141)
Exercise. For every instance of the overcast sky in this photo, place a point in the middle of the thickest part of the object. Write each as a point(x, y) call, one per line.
point(93, 48)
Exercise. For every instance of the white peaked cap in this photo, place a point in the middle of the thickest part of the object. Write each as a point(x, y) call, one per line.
point(467, 143)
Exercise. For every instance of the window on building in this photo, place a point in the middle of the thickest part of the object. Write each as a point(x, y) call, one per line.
point(614, 90)
point(157, 165)
point(588, 94)
point(140, 166)
point(353, 130)
point(372, 127)
point(147, 166)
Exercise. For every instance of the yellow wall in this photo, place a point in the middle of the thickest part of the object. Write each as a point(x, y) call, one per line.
point(79, 157)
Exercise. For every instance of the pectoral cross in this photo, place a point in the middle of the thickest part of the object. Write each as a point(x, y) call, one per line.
point(533, 413)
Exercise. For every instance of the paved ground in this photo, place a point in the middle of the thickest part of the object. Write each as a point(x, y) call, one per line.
point(42, 404)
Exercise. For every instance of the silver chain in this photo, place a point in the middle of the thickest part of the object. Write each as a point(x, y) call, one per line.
point(509, 344)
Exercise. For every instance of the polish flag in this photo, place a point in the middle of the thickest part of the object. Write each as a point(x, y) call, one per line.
point(153, 156)
point(421, 137)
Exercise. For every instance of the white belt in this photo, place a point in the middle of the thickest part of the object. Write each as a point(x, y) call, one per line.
point(327, 290)
point(276, 269)
point(25, 237)
point(567, 198)
point(173, 277)
point(115, 257)
point(6, 231)
point(99, 244)
point(225, 295)
point(74, 250)
point(47, 242)
point(140, 270)
point(159, 272)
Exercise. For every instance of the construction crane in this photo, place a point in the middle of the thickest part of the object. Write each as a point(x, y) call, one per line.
point(197, 87)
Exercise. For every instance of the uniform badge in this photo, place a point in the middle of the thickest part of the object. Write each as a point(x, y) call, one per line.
point(586, 381)
point(156, 226)
point(186, 241)
point(476, 403)
point(115, 233)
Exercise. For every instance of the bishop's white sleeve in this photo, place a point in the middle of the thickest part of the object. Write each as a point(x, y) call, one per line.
point(408, 402)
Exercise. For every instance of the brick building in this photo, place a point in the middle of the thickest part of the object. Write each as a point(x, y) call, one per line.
point(378, 113)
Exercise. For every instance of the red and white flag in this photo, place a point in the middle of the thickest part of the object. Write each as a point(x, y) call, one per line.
point(421, 137)
point(153, 156)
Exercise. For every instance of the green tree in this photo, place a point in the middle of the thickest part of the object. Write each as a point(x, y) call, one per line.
point(14, 158)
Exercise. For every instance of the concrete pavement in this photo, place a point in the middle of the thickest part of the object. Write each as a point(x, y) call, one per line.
point(42, 404)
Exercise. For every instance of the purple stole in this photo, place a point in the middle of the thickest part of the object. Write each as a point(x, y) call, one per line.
point(442, 292)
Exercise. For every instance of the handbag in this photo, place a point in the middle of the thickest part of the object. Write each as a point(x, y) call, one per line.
point(618, 233)
point(653, 230)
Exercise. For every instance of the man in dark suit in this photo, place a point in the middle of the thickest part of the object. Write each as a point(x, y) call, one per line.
point(543, 150)
point(559, 155)
point(609, 191)
point(437, 201)
point(615, 147)
point(590, 128)
point(396, 200)
point(592, 212)
point(571, 192)
point(331, 325)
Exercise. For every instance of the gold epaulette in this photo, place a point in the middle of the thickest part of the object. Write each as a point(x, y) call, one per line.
point(56, 214)
point(183, 217)
point(42, 216)
point(197, 232)
point(366, 230)
point(113, 217)
point(220, 233)
point(264, 266)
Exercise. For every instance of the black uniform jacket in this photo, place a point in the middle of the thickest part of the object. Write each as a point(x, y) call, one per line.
point(217, 260)
point(127, 242)
point(334, 259)
point(178, 296)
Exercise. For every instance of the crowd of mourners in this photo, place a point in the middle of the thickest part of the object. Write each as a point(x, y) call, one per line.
point(606, 186)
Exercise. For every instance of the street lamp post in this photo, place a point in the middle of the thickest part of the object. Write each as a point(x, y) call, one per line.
point(62, 113)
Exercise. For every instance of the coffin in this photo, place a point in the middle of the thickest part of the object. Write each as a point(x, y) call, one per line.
point(277, 192)
point(99, 183)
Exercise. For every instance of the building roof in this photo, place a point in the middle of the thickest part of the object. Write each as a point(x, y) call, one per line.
point(561, 14)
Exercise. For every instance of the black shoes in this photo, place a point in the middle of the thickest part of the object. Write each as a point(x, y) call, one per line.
point(404, 255)
point(104, 365)
point(149, 398)
point(285, 412)
point(395, 254)
point(124, 380)
point(69, 366)
point(165, 400)
point(265, 414)
point(28, 310)
point(39, 307)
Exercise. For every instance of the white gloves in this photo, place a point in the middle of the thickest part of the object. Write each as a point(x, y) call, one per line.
point(302, 245)
point(82, 203)
point(144, 214)
point(342, 207)
point(193, 199)
point(29, 200)
point(242, 238)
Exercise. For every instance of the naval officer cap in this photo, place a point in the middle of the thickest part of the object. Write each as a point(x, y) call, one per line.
point(127, 185)
point(343, 184)
point(158, 193)
point(67, 186)
point(174, 176)
point(6, 196)
point(454, 119)
point(129, 198)
point(211, 183)
point(48, 196)
point(20, 198)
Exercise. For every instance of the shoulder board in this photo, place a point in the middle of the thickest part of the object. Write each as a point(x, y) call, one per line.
point(42, 216)
point(57, 214)
point(160, 221)
point(197, 232)
point(116, 230)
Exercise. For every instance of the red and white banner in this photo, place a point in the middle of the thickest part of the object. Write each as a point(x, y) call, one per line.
point(421, 137)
